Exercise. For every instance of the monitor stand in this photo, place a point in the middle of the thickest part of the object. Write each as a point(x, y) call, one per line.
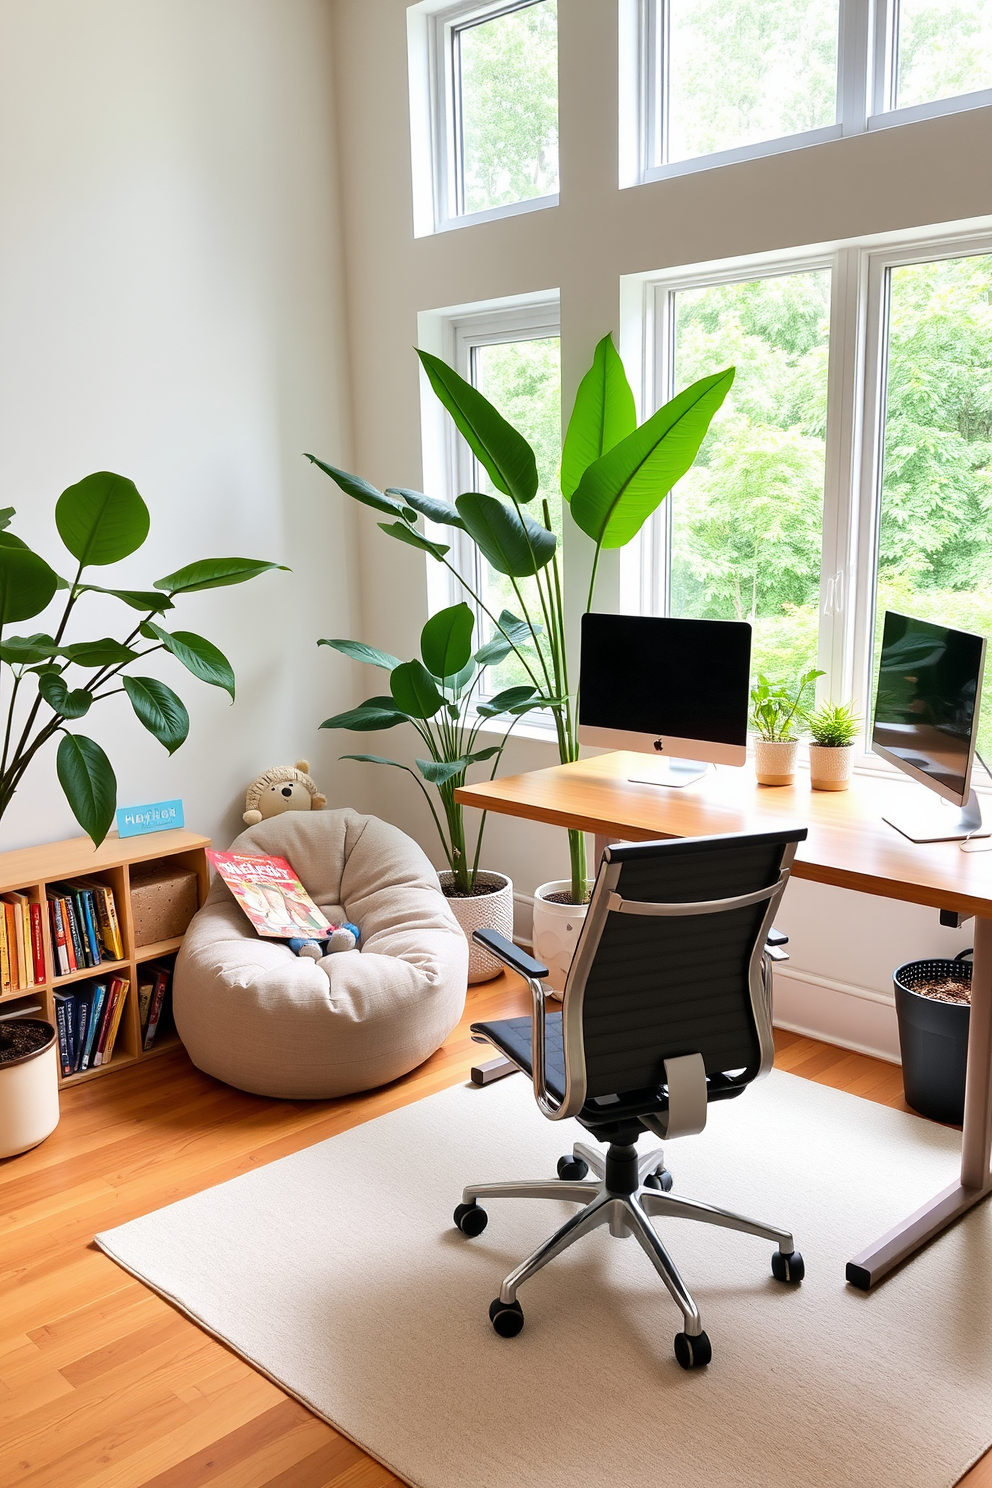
point(670, 772)
point(935, 820)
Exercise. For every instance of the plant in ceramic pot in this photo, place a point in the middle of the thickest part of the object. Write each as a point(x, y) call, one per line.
point(56, 679)
point(435, 695)
point(777, 714)
point(29, 1084)
point(614, 474)
point(835, 728)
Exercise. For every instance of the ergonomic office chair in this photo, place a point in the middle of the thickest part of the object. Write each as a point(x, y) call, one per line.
point(667, 1007)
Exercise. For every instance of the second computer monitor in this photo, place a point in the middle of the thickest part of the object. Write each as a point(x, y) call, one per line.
point(670, 688)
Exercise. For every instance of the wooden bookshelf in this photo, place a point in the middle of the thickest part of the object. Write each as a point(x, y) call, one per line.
point(30, 870)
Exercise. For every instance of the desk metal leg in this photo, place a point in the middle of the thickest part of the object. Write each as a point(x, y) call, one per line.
point(976, 1143)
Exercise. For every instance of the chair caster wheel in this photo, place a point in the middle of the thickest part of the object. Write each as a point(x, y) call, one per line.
point(572, 1169)
point(471, 1219)
point(664, 1181)
point(506, 1317)
point(789, 1267)
point(693, 1352)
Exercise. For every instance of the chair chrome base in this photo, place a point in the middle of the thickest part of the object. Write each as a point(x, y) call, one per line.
point(625, 1214)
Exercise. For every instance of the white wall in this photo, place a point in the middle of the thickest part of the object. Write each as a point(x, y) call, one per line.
point(171, 308)
point(845, 945)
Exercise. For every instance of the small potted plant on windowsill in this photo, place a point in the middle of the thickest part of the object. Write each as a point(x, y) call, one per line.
point(777, 712)
point(435, 696)
point(834, 727)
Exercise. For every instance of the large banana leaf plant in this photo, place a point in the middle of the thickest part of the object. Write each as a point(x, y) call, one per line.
point(434, 695)
point(614, 474)
point(54, 681)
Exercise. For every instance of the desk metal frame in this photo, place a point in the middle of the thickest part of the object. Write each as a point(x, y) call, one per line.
point(849, 846)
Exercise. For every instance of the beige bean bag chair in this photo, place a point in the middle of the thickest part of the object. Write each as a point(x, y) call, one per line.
point(253, 1014)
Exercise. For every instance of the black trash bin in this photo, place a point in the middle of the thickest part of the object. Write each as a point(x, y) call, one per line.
point(933, 1038)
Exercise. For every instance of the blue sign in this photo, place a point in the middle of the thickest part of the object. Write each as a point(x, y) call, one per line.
point(132, 821)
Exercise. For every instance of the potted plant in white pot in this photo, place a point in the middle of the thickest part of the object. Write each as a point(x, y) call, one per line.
point(777, 713)
point(435, 696)
point(29, 1084)
point(834, 727)
point(614, 474)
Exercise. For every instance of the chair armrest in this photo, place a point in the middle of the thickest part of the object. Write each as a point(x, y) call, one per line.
point(776, 937)
point(510, 954)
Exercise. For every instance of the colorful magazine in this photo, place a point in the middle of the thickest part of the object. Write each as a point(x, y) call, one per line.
point(271, 896)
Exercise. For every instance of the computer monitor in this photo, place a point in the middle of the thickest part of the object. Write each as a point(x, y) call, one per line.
point(677, 689)
point(926, 722)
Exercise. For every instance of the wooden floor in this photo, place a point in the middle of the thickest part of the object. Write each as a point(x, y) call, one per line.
point(102, 1384)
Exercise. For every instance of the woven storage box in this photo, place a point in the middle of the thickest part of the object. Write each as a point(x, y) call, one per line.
point(163, 901)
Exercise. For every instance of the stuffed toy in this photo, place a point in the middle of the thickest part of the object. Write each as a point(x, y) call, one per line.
point(342, 938)
point(283, 788)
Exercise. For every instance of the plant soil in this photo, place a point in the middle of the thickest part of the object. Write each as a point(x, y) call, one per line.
point(948, 990)
point(19, 1038)
point(480, 891)
point(564, 897)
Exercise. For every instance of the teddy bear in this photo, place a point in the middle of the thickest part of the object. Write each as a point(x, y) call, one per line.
point(283, 788)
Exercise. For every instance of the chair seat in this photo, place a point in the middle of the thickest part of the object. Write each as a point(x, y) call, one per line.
point(512, 1036)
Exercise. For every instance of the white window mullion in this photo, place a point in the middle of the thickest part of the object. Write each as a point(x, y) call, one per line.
point(854, 64)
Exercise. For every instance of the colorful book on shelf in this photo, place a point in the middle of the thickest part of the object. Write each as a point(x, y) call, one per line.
point(84, 898)
point(97, 1005)
point(108, 925)
point(15, 942)
point(82, 1003)
point(73, 939)
point(60, 956)
point(120, 997)
point(6, 984)
point(146, 991)
point(160, 986)
point(37, 945)
point(63, 1027)
point(271, 896)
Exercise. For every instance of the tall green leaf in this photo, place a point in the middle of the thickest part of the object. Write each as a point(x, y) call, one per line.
point(414, 539)
point(159, 709)
point(199, 656)
point(413, 690)
point(446, 640)
point(358, 651)
point(512, 542)
point(502, 452)
point(428, 506)
point(363, 490)
point(138, 599)
point(87, 777)
point(621, 489)
point(369, 717)
point(214, 573)
point(27, 584)
point(102, 519)
point(57, 695)
point(106, 652)
point(602, 415)
point(512, 632)
point(23, 650)
point(509, 698)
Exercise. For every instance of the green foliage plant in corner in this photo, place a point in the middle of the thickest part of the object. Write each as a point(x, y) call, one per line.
point(614, 474)
point(55, 681)
point(434, 695)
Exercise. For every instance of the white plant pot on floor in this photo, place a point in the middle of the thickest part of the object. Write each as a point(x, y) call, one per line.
point(29, 1092)
point(490, 911)
point(556, 931)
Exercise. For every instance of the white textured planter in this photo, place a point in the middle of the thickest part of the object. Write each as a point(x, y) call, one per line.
point(556, 931)
point(831, 766)
point(775, 761)
point(29, 1097)
point(492, 911)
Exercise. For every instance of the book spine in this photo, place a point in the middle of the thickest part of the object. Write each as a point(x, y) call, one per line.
point(89, 908)
point(62, 1028)
point(155, 1011)
point(145, 993)
point(37, 945)
point(86, 959)
point(104, 902)
point(83, 1006)
point(73, 944)
point(24, 907)
point(58, 937)
point(5, 969)
point(118, 1010)
point(113, 925)
point(15, 935)
point(96, 1014)
point(113, 996)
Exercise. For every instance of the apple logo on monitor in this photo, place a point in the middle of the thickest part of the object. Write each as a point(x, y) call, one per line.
point(658, 745)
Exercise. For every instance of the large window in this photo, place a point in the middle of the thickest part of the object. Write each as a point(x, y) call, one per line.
point(850, 469)
point(487, 110)
point(722, 80)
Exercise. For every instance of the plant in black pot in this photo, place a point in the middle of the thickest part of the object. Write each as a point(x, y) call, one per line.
point(933, 1005)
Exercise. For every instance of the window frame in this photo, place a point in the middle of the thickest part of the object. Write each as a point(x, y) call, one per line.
point(856, 402)
point(434, 27)
point(866, 80)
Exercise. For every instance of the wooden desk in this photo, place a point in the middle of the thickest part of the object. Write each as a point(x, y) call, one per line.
point(848, 845)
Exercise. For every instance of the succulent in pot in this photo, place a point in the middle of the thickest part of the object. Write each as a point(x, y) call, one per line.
point(777, 714)
point(835, 728)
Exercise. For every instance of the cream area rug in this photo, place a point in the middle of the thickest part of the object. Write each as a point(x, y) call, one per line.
point(338, 1273)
